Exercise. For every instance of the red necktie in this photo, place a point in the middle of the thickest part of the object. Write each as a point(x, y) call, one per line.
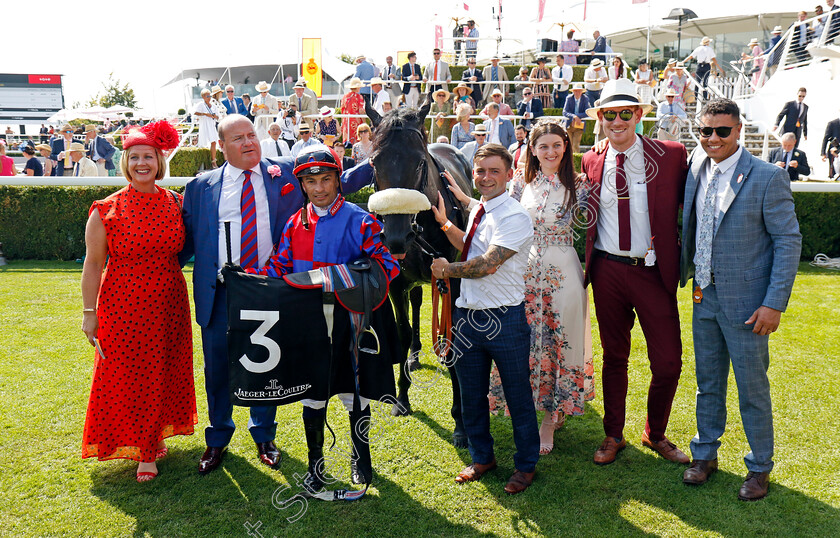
point(468, 240)
point(248, 251)
point(436, 64)
point(623, 194)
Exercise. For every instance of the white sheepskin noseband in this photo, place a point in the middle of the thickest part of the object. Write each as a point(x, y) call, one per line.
point(396, 201)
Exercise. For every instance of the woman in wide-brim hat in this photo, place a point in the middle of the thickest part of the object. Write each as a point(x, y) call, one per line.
point(352, 103)
point(541, 77)
point(755, 55)
point(326, 126)
point(137, 313)
point(678, 81)
point(462, 96)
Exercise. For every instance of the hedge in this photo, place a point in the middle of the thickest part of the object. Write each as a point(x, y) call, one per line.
point(188, 161)
point(48, 223)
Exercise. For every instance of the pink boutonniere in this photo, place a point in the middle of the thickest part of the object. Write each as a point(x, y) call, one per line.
point(274, 170)
point(287, 188)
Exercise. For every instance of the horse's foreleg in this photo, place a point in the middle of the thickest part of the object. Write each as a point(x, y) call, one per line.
point(416, 298)
point(399, 297)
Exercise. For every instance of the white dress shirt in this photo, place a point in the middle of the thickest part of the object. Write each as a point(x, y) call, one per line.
point(562, 76)
point(640, 236)
point(230, 210)
point(269, 148)
point(594, 74)
point(505, 224)
point(382, 97)
point(727, 169)
point(703, 54)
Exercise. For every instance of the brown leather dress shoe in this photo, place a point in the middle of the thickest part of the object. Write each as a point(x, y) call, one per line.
point(268, 454)
point(755, 486)
point(666, 449)
point(609, 448)
point(699, 472)
point(519, 482)
point(474, 471)
point(211, 459)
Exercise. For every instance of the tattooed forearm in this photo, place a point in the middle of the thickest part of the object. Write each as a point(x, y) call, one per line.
point(483, 265)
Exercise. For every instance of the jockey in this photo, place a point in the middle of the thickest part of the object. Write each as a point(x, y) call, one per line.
point(328, 230)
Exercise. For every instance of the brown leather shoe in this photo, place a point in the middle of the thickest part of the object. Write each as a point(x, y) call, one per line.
point(666, 449)
point(609, 448)
point(474, 471)
point(211, 459)
point(755, 486)
point(699, 472)
point(519, 482)
point(268, 454)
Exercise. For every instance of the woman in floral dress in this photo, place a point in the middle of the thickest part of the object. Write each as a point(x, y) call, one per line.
point(556, 303)
point(678, 81)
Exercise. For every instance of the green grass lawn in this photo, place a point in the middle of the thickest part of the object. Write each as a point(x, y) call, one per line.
point(48, 490)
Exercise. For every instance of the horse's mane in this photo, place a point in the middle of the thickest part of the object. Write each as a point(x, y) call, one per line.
point(395, 121)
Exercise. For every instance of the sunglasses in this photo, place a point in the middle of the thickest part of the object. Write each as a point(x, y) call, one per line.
point(625, 115)
point(527, 94)
point(722, 132)
point(230, 91)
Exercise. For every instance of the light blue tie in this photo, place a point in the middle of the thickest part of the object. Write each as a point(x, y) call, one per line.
point(494, 73)
point(706, 233)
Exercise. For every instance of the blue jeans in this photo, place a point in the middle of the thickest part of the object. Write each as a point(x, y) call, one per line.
point(499, 335)
point(214, 343)
point(718, 341)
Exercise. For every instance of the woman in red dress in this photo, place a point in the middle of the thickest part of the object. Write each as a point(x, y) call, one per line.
point(137, 313)
point(352, 103)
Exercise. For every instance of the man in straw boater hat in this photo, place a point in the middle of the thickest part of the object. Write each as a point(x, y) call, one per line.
point(328, 231)
point(575, 113)
point(82, 166)
point(671, 116)
point(494, 73)
point(633, 262)
point(99, 150)
point(264, 108)
point(306, 105)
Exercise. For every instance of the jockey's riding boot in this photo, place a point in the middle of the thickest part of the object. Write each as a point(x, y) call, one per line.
point(313, 426)
point(361, 468)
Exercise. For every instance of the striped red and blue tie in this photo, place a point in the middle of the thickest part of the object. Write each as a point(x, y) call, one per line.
point(248, 248)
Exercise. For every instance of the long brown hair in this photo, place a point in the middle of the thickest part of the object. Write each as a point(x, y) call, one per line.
point(566, 170)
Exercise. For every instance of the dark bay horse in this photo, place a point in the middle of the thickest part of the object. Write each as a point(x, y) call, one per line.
point(402, 159)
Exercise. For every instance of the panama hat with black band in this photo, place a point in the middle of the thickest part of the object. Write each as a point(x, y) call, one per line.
point(618, 93)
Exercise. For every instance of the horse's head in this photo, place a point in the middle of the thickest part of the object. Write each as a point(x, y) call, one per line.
point(399, 158)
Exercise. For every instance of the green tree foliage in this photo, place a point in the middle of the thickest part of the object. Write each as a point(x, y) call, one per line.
point(114, 93)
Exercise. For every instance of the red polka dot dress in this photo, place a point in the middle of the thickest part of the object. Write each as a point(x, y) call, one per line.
point(143, 388)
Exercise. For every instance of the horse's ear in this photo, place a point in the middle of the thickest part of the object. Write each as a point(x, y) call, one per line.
point(424, 110)
point(374, 116)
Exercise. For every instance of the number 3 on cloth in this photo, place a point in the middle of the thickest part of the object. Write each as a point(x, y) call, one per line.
point(259, 338)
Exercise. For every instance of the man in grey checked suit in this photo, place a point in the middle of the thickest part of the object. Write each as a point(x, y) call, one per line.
point(741, 242)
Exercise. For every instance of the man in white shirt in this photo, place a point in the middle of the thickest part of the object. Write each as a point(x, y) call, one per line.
point(273, 147)
point(306, 140)
point(489, 321)
point(595, 76)
point(633, 262)
point(378, 95)
point(499, 130)
point(289, 121)
point(264, 107)
point(705, 56)
point(562, 76)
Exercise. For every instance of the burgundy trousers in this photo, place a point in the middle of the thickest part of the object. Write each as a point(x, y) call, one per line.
point(621, 292)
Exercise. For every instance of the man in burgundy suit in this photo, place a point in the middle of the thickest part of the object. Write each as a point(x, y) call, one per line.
point(632, 261)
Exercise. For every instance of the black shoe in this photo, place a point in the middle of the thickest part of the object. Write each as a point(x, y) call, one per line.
point(211, 459)
point(268, 454)
point(361, 468)
point(313, 427)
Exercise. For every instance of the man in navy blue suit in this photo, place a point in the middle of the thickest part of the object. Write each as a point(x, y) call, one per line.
point(574, 110)
point(529, 107)
point(99, 150)
point(233, 104)
point(209, 201)
point(795, 114)
point(61, 152)
point(412, 76)
point(600, 45)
